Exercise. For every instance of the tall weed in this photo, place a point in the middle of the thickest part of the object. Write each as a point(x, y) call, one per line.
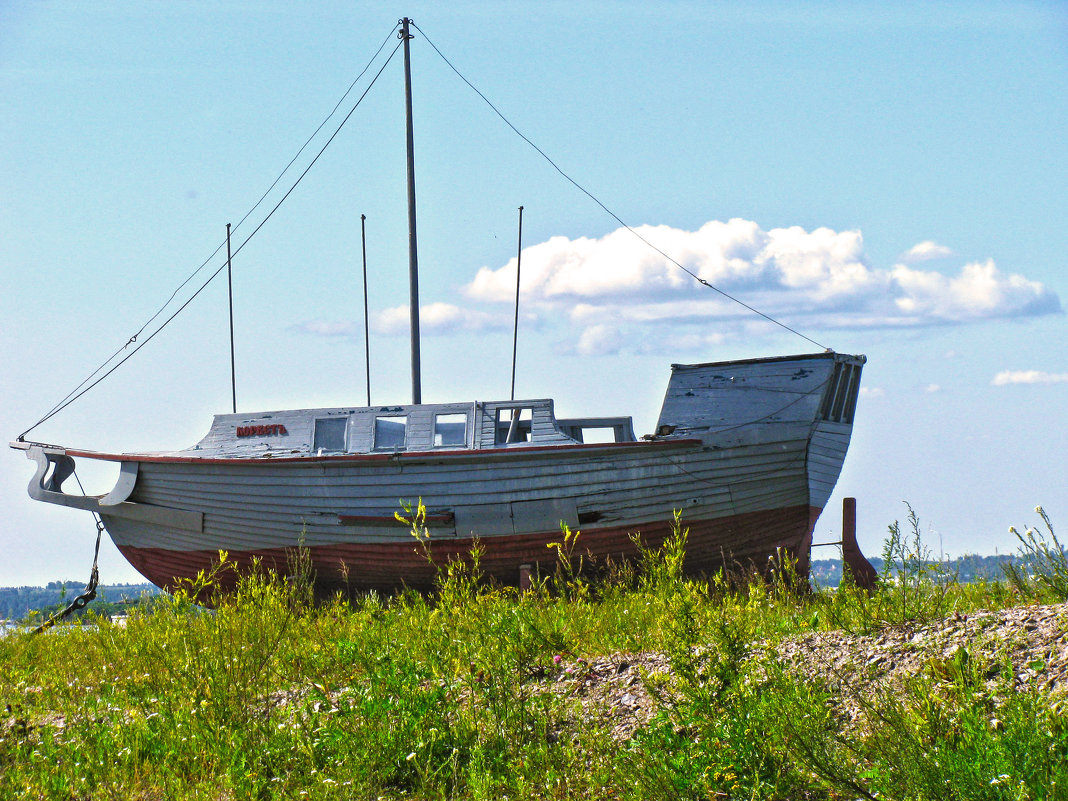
point(475, 691)
point(912, 587)
point(714, 734)
point(944, 735)
point(1045, 573)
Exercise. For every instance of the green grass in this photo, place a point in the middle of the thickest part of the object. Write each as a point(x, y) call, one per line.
point(267, 696)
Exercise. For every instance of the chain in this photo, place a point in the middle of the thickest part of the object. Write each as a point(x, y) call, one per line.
point(88, 594)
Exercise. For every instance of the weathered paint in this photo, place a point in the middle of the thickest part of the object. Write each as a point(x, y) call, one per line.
point(749, 452)
point(744, 542)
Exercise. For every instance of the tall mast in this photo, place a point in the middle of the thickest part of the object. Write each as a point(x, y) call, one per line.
point(366, 313)
point(515, 329)
point(230, 292)
point(413, 250)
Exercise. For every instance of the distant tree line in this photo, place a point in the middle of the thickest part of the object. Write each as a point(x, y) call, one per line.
point(18, 603)
point(966, 569)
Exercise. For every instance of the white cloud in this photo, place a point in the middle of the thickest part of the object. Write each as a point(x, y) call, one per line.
point(676, 341)
point(599, 340)
point(736, 255)
point(434, 318)
point(872, 392)
point(438, 318)
point(328, 328)
point(1028, 377)
point(789, 273)
point(930, 389)
point(980, 291)
point(926, 251)
point(616, 293)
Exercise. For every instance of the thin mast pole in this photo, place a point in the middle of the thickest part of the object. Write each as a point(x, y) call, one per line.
point(230, 289)
point(515, 329)
point(366, 323)
point(413, 251)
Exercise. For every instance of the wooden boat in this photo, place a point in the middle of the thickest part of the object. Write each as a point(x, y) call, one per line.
point(748, 452)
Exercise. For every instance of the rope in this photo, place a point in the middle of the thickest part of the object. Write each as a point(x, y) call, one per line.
point(607, 210)
point(81, 389)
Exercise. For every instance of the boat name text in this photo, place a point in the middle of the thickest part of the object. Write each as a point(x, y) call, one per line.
point(261, 431)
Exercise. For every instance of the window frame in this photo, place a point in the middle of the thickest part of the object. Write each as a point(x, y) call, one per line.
point(457, 417)
point(331, 423)
point(374, 432)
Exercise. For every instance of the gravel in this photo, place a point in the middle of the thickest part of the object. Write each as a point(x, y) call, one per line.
point(1031, 641)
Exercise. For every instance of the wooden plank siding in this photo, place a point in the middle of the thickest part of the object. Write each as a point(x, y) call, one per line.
point(749, 451)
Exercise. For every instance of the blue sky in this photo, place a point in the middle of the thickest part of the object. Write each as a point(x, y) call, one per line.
point(888, 179)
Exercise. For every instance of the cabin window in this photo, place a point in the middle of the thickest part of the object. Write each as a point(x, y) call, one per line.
point(330, 434)
point(390, 433)
point(513, 425)
point(597, 435)
point(598, 430)
point(450, 429)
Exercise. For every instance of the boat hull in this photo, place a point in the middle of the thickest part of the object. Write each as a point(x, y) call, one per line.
point(745, 542)
point(742, 501)
point(745, 455)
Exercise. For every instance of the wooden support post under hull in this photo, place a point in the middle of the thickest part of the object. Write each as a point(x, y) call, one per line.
point(864, 575)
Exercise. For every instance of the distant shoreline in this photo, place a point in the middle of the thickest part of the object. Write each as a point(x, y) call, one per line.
point(16, 603)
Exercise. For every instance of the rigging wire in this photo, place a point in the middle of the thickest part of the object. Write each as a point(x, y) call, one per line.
point(274, 183)
point(133, 339)
point(89, 383)
point(86, 386)
point(607, 210)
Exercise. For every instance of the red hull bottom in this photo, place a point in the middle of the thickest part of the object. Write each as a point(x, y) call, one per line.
point(746, 541)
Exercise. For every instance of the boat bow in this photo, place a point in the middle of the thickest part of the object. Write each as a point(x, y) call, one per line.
point(55, 465)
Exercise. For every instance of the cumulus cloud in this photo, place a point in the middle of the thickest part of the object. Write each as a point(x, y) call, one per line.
point(737, 254)
point(925, 251)
point(1028, 377)
point(872, 392)
point(617, 293)
point(789, 273)
point(980, 291)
